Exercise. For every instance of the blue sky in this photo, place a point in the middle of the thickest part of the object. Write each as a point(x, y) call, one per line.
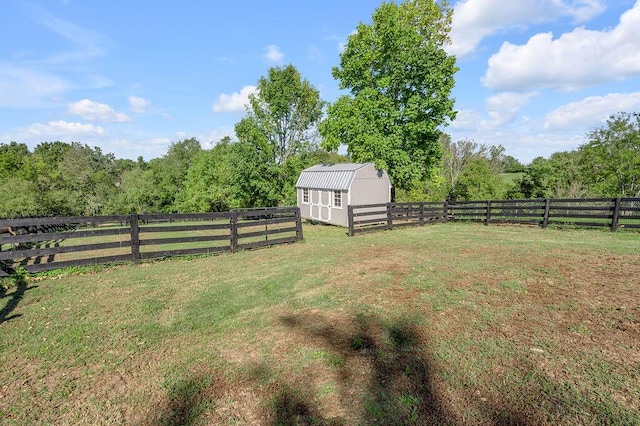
point(133, 76)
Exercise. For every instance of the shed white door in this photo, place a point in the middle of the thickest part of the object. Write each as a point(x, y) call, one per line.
point(321, 205)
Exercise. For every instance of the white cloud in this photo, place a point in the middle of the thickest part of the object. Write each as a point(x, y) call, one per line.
point(466, 119)
point(94, 111)
point(273, 54)
point(138, 105)
point(563, 129)
point(474, 20)
point(64, 130)
point(25, 87)
point(88, 44)
point(234, 102)
point(575, 60)
point(34, 80)
point(594, 109)
point(504, 107)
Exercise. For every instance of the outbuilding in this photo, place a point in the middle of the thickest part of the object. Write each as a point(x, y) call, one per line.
point(325, 190)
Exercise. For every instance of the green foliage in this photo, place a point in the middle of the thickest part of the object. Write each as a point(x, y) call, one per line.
point(478, 182)
point(57, 179)
point(468, 170)
point(281, 114)
point(19, 198)
point(18, 278)
point(12, 160)
point(170, 171)
point(612, 156)
point(560, 176)
point(400, 79)
point(210, 179)
point(137, 193)
point(278, 129)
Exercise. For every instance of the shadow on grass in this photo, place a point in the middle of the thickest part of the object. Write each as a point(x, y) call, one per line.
point(291, 406)
point(402, 385)
point(400, 388)
point(20, 282)
point(187, 400)
point(405, 387)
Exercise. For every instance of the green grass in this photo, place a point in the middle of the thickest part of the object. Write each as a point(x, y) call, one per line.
point(444, 324)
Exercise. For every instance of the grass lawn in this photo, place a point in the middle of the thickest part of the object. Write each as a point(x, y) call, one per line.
point(443, 324)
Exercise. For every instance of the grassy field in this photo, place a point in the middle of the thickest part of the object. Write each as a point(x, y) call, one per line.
point(444, 324)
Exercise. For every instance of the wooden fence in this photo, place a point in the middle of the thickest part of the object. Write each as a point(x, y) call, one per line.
point(612, 213)
point(40, 244)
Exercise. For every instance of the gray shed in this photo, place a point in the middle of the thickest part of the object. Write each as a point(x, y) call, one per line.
point(325, 190)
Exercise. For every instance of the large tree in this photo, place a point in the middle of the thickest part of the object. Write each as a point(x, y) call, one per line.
point(281, 114)
point(400, 79)
point(280, 125)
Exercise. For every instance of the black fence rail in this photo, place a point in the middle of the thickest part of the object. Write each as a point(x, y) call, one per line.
point(41, 244)
point(612, 213)
point(370, 217)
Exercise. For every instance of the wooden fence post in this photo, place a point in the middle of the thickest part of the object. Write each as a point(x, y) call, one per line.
point(298, 224)
point(233, 230)
point(135, 238)
point(351, 220)
point(616, 215)
point(487, 218)
point(421, 213)
point(445, 216)
point(389, 217)
point(266, 228)
point(547, 209)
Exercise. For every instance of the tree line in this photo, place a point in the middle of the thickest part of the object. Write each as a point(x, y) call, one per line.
point(398, 80)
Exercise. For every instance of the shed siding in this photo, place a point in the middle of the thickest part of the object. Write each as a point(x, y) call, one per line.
point(358, 184)
point(370, 186)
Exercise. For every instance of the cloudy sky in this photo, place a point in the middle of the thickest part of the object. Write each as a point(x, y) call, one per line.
point(133, 76)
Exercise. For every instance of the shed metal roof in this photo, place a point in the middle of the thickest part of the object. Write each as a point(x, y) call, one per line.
point(329, 176)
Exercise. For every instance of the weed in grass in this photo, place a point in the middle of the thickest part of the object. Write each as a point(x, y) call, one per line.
point(327, 389)
point(513, 285)
point(319, 354)
point(580, 329)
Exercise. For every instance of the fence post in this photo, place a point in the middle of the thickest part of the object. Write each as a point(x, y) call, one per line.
point(135, 238)
point(547, 209)
point(445, 216)
point(351, 220)
point(266, 228)
point(616, 215)
point(389, 217)
point(487, 218)
point(421, 213)
point(298, 224)
point(233, 229)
